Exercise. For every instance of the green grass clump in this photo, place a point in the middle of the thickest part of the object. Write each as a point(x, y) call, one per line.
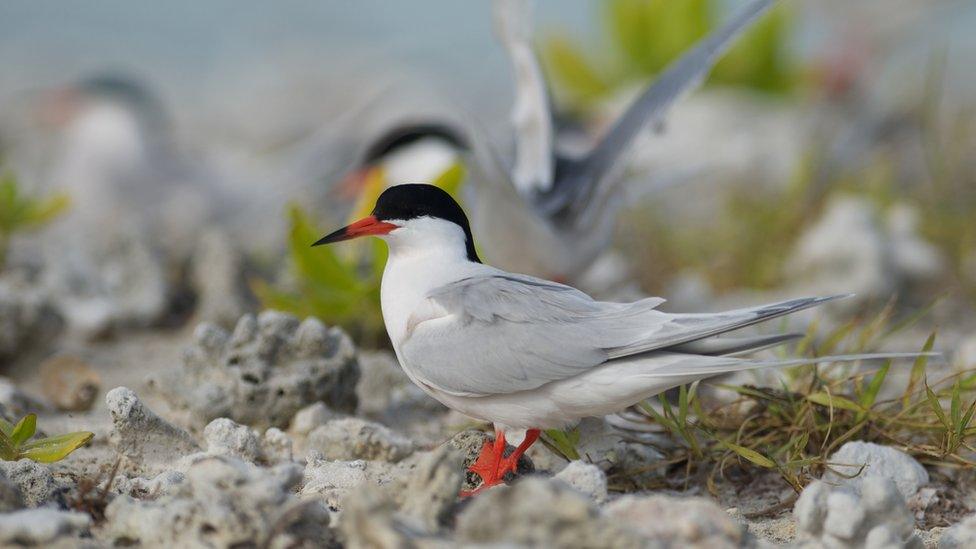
point(16, 443)
point(646, 35)
point(21, 213)
point(793, 429)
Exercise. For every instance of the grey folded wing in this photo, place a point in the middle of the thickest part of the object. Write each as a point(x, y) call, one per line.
point(504, 333)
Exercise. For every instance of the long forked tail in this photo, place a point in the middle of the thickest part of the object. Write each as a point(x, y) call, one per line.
point(725, 365)
point(683, 332)
point(734, 346)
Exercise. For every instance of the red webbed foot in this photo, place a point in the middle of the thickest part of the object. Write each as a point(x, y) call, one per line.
point(492, 465)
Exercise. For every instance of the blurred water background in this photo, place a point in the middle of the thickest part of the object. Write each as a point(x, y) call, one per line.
point(220, 59)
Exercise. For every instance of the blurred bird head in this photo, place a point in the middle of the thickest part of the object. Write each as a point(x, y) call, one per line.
point(431, 152)
point(109, 127)
point(105, 95)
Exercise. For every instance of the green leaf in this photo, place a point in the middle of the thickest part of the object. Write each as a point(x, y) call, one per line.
point(56, 448)
point(652, 33)
point(936, 407)
point(870, 394)
point(663, 419)
point(339, 285)
point(683, 404)
point(24, 429)
point(320, 263)
point(282, 301)
point(380, 252)
point(6, 427)
point(42, 212)
point(565, 442)
point(567, 66)
point(7, 448)
point(745, 391)
point(955, 405)
point(832, 401)
point(966, 420)
point(751, 455)
point(19, 212)
point(451, 180)
point(665, 405)
point(760, 58)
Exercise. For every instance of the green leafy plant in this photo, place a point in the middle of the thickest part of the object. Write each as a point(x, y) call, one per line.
point(339, 284)
point(20, 213)
point(339, 288)
point(646, 35)
point(16, 443)
point(563, 443)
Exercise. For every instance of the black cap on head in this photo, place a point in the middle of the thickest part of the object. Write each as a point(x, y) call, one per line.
point(407, 134)
point(128, 91)
point(119, 86)
point(415, 200)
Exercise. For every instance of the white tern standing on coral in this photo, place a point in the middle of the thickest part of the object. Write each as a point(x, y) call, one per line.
point(527, 353)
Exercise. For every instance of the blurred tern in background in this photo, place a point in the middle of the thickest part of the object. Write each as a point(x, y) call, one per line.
point(525, 353)
point(143, 208)
point(120, 164)
point(542, 210)
point(119, 159)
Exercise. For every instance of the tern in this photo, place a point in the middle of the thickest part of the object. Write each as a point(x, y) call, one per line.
point(121, 160)
point(561, 205)
point(526, 353)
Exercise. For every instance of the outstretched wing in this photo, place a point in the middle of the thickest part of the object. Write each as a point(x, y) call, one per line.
point(502, 333)
point(583, 177)
point(531, 114)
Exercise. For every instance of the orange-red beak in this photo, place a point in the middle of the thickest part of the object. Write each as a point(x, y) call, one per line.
point(366, 226)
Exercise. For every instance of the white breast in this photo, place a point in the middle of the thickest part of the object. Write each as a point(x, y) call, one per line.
point(425, 254)
point(417, 264)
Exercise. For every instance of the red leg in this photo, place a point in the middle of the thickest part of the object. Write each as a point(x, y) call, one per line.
point(487, 464)
point(492, 464)
point(491, 455)
point(510, 463)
